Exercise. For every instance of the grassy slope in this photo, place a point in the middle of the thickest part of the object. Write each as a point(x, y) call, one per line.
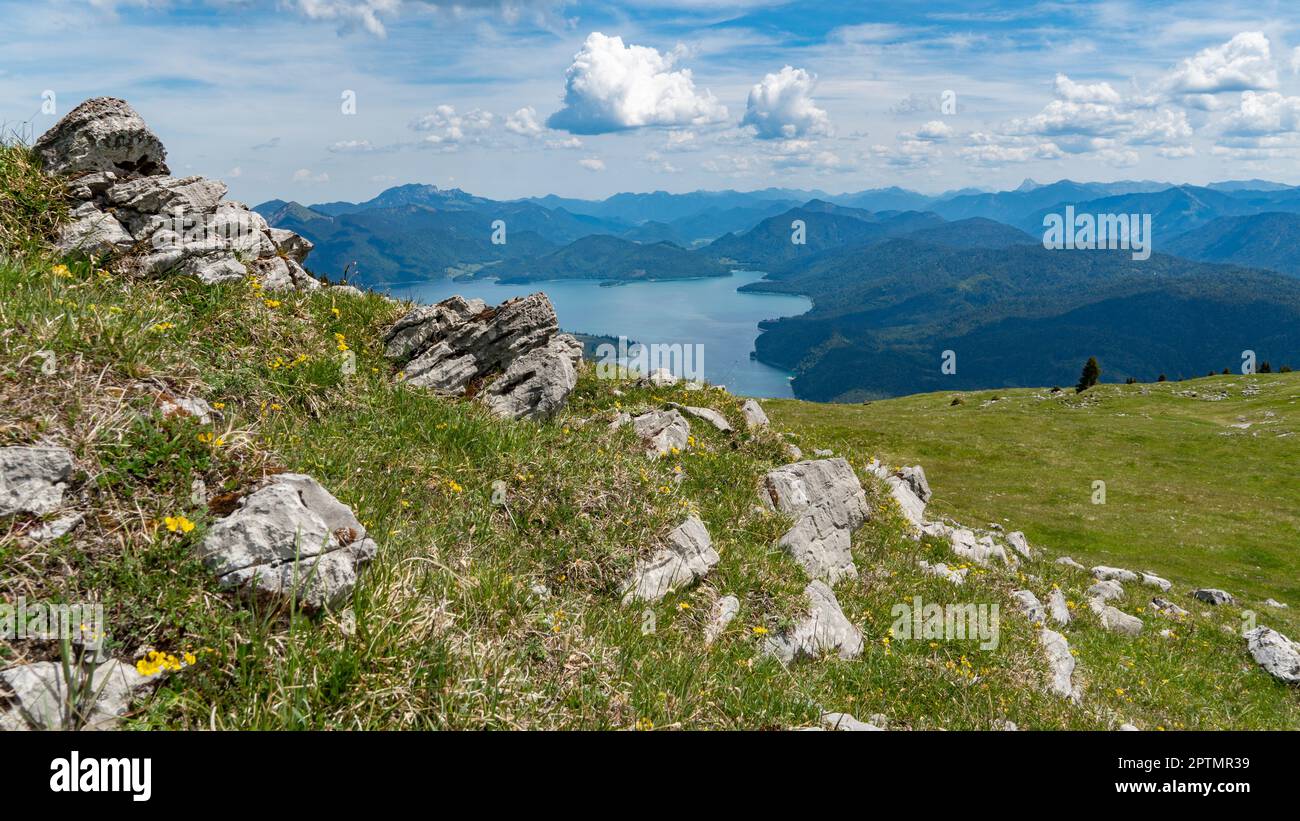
point(448, 633)
point(1187, 495)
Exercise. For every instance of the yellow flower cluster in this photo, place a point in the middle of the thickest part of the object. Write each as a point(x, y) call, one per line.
point(209, 438)
point(341, 341)
point(178, 524)
point(155, 663)
point(61, 271)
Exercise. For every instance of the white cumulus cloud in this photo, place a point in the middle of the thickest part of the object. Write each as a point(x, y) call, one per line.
point(1244, 63)
point(447, 130)
point(781, 107)
point(615, 87)
point(1067, 89)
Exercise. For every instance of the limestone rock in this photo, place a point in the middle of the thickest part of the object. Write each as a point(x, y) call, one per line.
point(1118, 574)
point(40, 695)
point(689, 555)
point(1057, 607)
point(130, 206)
point(1274, 603)
point(1030, 606)
point(1152, 580)
point(56, 529)
point(1060, 663)
point(911, 505)
point(455, 346)
point(661, 431)
point(754, 416)
point(33, 478)
point(289, 539)
point(915, 478)
point(1211, 595)
point(846, 722)
point(724, 611)
point(824, 630)
point(1068, 562)
point(1277, 654)
point(828, 504)
point(1168, 608)
point(537, 384)
point(291, 245)
point(102, 134)
point(661, 377)
point(1106, 590)
point(1019, 543)
point(980, 550)
point(1115, 620)
point(709, 415)
point(94, 233)
point(943, 571)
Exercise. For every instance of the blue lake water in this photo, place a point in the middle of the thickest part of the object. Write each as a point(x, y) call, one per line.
point(709, 312)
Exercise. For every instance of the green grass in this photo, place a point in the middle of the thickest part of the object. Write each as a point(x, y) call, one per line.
point(1188, 495)
point(445, 630)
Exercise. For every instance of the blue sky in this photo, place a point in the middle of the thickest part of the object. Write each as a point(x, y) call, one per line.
point(528, 98)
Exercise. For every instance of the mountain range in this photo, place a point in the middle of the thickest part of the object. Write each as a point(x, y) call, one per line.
point(896, 277)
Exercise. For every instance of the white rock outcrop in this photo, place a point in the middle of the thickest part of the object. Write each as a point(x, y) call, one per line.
point(1277, 654)
point(686, 558)
point(511, 356)
point(724, 611)
point(824, 630)
point(828, 504)
point(33, 478)
point(662, 431)
point(41, 701)
point(755, 418)
point(127, 204)
point(1060, 664)
point(289, 539)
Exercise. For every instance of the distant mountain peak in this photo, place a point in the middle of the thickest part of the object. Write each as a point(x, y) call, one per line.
point(1028, 185)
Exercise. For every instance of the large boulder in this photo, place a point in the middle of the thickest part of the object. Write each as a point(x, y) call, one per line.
point(828, 504)
point(102, 134)
point(33, 478)
point(1276, 653)
point(687, 557)
point(290, 539)
point(537, 384)
point(126, 205)
point(457, 345)
point(824, 630)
